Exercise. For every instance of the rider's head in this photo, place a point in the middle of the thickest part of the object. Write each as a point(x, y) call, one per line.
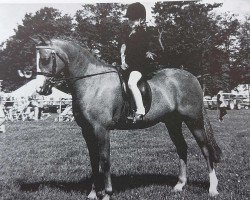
point(136, 13)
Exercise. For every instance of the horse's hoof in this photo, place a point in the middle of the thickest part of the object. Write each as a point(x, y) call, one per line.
point(178, 187)
point(213, 193)
point(106, 197)
point(92, 196)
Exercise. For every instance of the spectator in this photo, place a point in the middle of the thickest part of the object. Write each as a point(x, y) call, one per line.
point(21, 108)
point(2, 118)
point(9, 107)
point(32, 109)
point(40, 101)
point(221, 105)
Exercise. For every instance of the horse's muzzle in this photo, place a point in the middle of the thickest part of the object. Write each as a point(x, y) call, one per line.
point(47, 90)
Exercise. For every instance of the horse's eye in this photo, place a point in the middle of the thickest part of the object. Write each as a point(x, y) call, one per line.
point(45, 61)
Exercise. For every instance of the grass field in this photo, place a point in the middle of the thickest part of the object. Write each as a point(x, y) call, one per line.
point(49, 160)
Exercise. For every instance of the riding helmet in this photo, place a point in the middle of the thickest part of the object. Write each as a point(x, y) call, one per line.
point(136, 11)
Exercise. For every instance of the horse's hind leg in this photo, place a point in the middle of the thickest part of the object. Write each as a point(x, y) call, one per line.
point(174, 126)
point(196, 126)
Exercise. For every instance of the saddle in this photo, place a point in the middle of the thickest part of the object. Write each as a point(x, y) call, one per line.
point(129, 106)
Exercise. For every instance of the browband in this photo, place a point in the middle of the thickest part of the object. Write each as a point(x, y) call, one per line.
point(43, 47)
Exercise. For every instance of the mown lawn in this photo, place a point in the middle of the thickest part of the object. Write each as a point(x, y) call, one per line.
point(49, 160)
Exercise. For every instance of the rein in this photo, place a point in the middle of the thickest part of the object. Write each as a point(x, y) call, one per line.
point(54, 66)
point(79, 77)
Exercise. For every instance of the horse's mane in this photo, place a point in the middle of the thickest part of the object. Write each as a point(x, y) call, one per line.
point(72, 40)
point(79, 44)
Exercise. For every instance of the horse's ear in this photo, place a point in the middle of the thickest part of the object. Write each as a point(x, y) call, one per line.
point(35, 40)
point(43, 41)
point(40, 41)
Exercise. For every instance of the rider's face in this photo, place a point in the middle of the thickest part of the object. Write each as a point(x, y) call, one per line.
point(134, 23)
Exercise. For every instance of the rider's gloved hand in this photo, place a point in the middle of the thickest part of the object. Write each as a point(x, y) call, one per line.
point(150, 55)
point(124, 66)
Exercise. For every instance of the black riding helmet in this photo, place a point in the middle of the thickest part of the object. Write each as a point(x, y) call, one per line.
point(136, 11)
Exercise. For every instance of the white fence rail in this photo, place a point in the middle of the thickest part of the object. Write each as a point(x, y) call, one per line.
point(38, 109)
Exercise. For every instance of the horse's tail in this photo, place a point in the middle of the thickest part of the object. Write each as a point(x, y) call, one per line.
point(213, 146)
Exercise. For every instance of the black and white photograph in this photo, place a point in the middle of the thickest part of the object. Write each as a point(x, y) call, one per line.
point(124, 100)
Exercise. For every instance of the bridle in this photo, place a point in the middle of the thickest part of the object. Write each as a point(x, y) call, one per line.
point(54, 64)
point(53, 73)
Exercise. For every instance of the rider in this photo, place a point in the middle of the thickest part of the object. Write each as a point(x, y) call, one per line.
point(134, 53)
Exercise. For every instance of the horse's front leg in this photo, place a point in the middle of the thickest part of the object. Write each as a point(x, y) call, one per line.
point(92, 146)
point(99, 150)
point(104, 150)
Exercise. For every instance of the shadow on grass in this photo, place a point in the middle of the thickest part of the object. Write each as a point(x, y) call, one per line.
point(120, 183)
point(81, 186)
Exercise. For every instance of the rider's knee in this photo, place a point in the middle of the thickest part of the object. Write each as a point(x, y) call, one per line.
point(132, 83)
point(134, 77)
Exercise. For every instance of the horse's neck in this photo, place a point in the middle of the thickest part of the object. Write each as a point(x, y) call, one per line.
point(83, 63)
point(94, 81)
point(85, 68)
point(95, 68)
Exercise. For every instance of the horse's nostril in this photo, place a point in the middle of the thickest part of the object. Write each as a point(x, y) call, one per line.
point(39, 90)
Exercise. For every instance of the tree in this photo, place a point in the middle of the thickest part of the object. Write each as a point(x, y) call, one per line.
point(241, 71)
point(199, 41)
point(101, 27)
point(187, 29)
point(215, 48)
point(19, 52)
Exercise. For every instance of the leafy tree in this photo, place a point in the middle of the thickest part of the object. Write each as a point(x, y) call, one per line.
point(229, 47)
point(19, 52)
point(101, 27)
point(241, 70)
point(197, 40)
point(187, 29)
point(186, 35)
point(221, 56)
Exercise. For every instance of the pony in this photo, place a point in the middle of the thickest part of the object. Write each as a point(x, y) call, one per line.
point(98, 100)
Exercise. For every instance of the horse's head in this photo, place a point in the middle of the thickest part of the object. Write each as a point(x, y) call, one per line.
point(50, 61)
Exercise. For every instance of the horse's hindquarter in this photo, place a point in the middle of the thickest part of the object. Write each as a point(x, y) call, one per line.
point(175, 90)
